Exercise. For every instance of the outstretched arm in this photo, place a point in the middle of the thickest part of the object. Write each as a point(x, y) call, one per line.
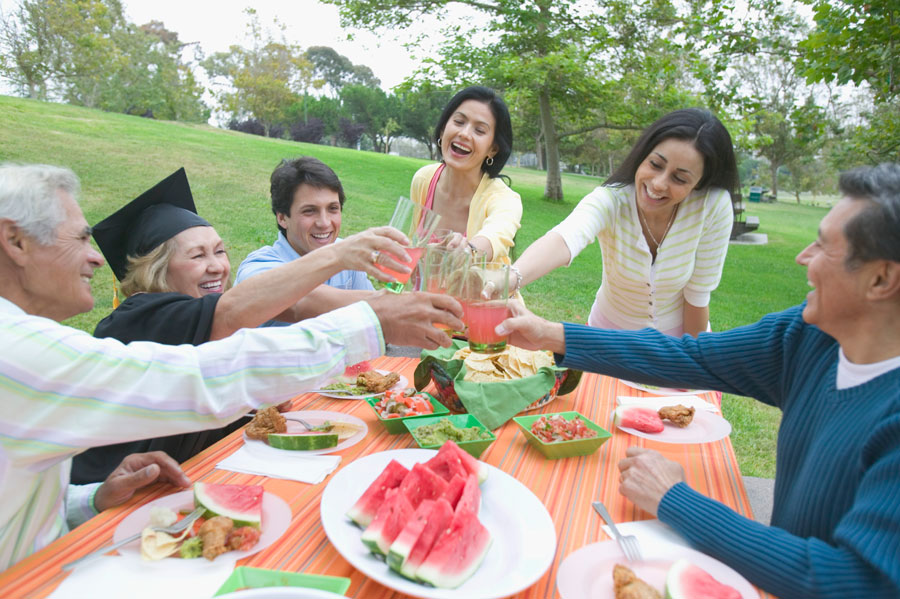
point(546, 254)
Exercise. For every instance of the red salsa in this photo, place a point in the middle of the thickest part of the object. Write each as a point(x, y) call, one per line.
point(556, 428)
point(397, 404)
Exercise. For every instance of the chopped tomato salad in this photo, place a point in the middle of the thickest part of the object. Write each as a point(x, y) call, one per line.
point(556, 428)
point(399, 404)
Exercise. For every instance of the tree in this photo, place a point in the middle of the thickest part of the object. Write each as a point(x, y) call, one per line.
point(261, 81)
point(336, 70)
point(86, 52)
point(573, 63)
point(422, 102)
point(379, 112)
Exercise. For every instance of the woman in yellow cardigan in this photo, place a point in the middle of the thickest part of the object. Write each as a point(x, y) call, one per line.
point(474, 135)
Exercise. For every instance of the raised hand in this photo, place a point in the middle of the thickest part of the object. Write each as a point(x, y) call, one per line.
point(376, 245)
point(406, 319)
point(528, 331)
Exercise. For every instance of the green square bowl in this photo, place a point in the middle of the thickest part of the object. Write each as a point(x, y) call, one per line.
point(474, 448)
point(564, 449)
point(395, 426)
point(244, 577)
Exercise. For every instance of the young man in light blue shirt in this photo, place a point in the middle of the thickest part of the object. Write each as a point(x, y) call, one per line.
point(307, 200)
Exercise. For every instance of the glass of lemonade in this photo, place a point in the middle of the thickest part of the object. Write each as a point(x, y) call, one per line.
point(418, 224)
point(443, 270)
point(485, 297)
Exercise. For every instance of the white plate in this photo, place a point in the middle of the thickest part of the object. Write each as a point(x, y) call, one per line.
point(661, 390)
point(276, 516)
point(282, 593)
point(706, 427)
point(523, 535)
point(587, 572)
point(400, 386)
point(314, 417)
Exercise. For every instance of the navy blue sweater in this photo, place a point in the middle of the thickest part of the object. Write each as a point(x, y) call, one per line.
point(836, 517)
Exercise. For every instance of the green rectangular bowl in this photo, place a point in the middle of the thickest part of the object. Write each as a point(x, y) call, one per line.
point(564, 449)
point(395, 426)
point(244, 577)
point(474, 448)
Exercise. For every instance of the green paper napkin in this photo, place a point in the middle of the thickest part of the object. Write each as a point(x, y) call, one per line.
point(492, 403)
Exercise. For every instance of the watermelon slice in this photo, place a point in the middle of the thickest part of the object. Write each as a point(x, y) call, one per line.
point(363, 511)
point(412, 545)
point(389, 520)
point(241, 503)
point(353, 370)
point(687, 581)
point(641, 419)
point(470, 500)
point(455, 489)
point(421, 484)
point(303, 441)
point(453, 453)
point(457, 553)
point(447, 464)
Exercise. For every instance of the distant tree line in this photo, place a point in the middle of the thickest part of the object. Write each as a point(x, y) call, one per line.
point(802, 98)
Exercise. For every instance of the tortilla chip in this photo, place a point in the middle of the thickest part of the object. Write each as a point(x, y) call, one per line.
point(512, 363)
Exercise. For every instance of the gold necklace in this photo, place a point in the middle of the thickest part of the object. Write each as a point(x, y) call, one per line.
point(650, 231)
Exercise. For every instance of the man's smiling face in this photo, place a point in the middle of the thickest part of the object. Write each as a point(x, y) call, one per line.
point(314, 220)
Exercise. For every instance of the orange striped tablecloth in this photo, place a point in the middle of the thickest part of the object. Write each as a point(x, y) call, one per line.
point(565, 486)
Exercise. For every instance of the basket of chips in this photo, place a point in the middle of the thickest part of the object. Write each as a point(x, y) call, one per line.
point(493, 387)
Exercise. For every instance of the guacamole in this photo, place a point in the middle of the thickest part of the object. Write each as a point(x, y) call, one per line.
point(444, 430)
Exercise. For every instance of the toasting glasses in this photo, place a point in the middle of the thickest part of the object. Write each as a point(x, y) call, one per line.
point(418, 224)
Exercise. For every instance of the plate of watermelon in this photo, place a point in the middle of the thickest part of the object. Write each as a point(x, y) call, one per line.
point(239, 502)
point(469, 539)
point(641, 421)
point(345, 386)
point(353, 432)
point(675, 570)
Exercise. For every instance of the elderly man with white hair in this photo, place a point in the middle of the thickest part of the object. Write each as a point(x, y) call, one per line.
point(832, 365)
point(65, 391)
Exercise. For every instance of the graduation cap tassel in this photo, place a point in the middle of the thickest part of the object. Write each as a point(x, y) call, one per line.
point(115, 299)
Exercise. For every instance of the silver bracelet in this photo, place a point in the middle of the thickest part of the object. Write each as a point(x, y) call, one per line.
point(516, 270)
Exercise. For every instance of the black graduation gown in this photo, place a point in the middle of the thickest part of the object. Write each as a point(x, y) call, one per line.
point(172, 319)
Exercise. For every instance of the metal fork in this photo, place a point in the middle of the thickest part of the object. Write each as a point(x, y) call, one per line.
point(627, 543)
point(175, 528)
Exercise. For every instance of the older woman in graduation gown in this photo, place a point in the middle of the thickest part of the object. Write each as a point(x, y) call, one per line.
point(175, 272)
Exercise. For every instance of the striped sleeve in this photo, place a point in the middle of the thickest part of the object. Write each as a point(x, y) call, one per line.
point(712, 248)
point(593, 214)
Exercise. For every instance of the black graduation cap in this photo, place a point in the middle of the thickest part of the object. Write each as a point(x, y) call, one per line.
point(154, 217)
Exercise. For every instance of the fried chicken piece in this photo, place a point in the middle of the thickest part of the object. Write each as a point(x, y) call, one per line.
point(375, 382)
point(628, 586)
point(678, 415)
point(214, 534)
point(265, 421)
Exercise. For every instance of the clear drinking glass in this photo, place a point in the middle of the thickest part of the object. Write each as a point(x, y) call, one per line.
point(442, 270)
point(418, 224)
point(485, 296)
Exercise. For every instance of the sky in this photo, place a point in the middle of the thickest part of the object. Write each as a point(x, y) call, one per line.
point(221, 23)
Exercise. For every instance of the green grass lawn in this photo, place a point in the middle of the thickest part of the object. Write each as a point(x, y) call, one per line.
point(117, 157)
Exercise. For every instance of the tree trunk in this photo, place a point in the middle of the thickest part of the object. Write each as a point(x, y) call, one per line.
point(539, 152)
point(774, 169)
point(553, 190)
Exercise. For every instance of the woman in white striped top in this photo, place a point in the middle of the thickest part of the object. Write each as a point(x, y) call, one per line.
point(663, 220)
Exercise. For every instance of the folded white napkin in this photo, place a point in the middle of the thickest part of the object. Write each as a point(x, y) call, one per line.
point(655, 538)
point(691, 401)
point(129, 576)
point(306, 469)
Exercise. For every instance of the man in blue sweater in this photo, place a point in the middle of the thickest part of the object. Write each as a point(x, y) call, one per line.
point(832, 365)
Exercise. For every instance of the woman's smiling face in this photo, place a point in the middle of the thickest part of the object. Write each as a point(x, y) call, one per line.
point(468, 137)
point(668, 175)
point(199, 265)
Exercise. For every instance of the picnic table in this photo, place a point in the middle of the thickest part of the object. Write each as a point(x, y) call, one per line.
point(565, 486)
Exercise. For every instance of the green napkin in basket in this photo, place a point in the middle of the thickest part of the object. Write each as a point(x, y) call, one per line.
point(492, 403)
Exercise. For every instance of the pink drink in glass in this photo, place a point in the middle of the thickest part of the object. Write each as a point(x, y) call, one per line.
point(482, 318)
point(402, 277)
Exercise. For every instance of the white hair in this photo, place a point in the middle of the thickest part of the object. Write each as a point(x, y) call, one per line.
point(29, 196)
